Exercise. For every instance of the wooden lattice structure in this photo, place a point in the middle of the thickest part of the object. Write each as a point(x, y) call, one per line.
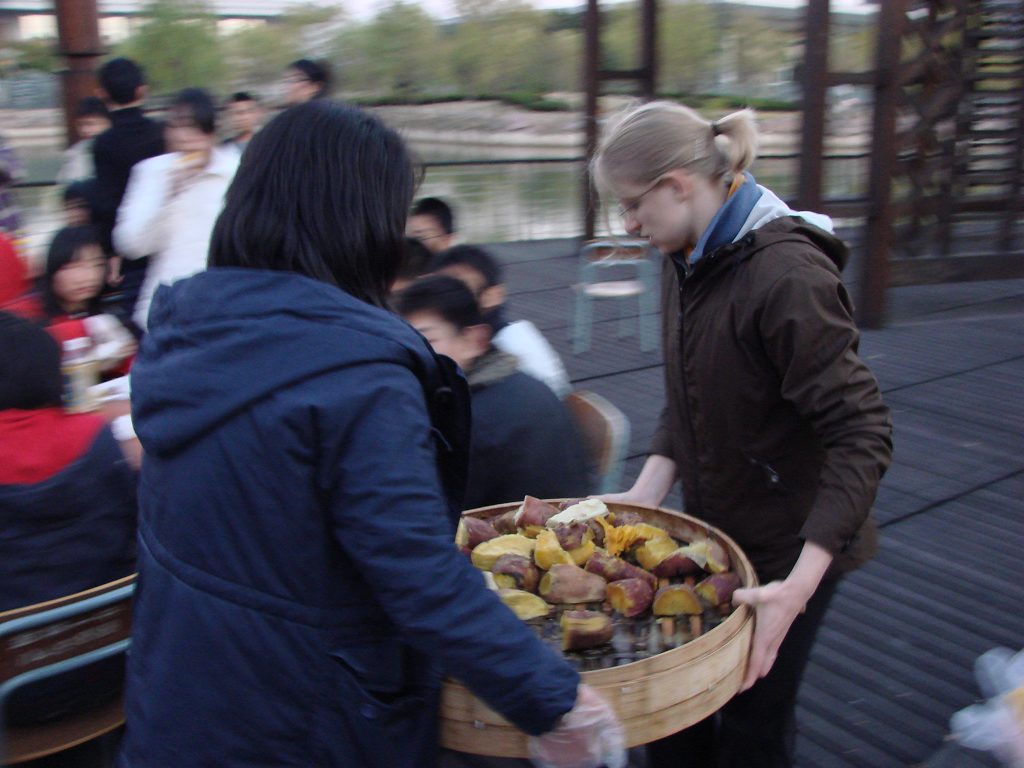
point(944, 198)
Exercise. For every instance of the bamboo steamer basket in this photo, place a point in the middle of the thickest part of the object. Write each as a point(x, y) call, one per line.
point(653, 697)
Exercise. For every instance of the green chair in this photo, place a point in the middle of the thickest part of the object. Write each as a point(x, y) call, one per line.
point(623, 270)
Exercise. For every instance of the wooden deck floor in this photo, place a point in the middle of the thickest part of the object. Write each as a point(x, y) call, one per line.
point(895, 655)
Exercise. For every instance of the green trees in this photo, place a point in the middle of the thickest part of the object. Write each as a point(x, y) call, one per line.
point(178, 45)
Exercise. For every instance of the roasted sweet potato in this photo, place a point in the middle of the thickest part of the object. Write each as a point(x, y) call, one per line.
point(581, 554)
point(585, 629)
point(597, 531)
point(618, 539)
point(516, 572)
point(571, 584)
point(534, 512)
point(653, 551)
point(718, 557)
point(572, 535)
point(717, 588)
point(473, 531)
point(568, 503)
point(525, 605)
point(485, 554)
point(630, 597)
point(676, 599)
point(626, 517)
point(548, 551)
point(505, 522)
point(682, 561)
point(615, 568)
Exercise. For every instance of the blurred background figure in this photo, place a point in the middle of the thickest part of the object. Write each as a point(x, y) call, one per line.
point(520, 338)
point(91, 119)
point(245, 115)
point(416, 259)
point(304, 80)
point(16, 291)
point(173, 200)
point(11, 171)
point(78, 207)
point(432, 222)
point(131, 137)
point(71, 292)
point(67, 508)
point(510, 456)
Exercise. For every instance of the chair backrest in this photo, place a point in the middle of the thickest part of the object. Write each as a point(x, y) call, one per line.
point(596, 256)
point(50, 638)
point(605, 432)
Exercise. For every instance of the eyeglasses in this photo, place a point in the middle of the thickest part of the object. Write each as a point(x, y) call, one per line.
point(628, 209)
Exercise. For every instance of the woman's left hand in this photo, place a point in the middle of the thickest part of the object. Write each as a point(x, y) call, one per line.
point(776, 605)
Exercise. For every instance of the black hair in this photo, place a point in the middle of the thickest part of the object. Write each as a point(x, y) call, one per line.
point(121, 79)
point(445, 296)
point(30, 374)
point(200, 107)
point(316, 72)
point(241, 96)
point(63, 249)
point(416, 258)
point(91, 106)
point(437, 209)
point(470, 256)
point(322, 191)
point(79, 190)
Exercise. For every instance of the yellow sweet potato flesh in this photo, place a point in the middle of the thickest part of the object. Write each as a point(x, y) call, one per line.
point(549, 552)
point(485, 554)
point(524, 604)
point(653, 551)
point(675, 600)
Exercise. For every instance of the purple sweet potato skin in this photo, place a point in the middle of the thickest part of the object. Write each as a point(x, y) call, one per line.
point(505, 523)
point(612, 568)
point(479, 531)
point(570, 584)
point(521, 568)
point(630, 597)
point(534, 512)
point(571, 535)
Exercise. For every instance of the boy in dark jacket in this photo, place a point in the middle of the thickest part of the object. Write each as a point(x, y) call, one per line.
point(523, 439)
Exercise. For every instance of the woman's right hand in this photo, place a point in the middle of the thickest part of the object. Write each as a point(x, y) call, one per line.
point(588, 735)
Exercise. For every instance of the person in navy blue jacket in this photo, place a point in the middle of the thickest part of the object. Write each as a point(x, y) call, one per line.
point(299, 591)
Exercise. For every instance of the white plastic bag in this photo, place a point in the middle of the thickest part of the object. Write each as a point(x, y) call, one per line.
point(996, 726)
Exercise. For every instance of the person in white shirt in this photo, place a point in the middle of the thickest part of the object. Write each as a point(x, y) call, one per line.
point(521, 338)
point(173, 200)
point(91, 119)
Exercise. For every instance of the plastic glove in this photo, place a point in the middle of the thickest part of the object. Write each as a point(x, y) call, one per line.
point(588, 736)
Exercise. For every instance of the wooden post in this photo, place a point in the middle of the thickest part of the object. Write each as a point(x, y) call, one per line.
point(815, 77)
point(878, 235)
point(78, 32)
point(591, 84)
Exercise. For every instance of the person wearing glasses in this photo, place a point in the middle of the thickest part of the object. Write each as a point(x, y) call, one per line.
point(773, 424)
point(305, 80)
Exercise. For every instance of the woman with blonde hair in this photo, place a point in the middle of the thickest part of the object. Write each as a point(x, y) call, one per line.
point(773, 424)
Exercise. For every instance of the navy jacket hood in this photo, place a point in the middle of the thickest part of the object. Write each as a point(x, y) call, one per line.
point(186, 381)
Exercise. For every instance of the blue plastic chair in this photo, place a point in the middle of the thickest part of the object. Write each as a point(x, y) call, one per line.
point(598, 260)
point(44, 640)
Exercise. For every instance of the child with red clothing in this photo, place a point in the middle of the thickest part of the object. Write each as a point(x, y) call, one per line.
point(75, 276)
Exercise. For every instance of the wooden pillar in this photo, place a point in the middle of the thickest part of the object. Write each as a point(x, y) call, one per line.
point(815, 77)
point(591, 85)
point(878, 234)
point(78, 32)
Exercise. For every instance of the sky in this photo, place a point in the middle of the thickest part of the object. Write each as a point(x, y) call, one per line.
point(445, 8)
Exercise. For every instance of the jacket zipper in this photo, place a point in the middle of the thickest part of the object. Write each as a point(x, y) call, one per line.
point(687, 271)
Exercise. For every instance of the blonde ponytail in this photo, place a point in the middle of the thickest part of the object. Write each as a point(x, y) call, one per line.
point(648, 141)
